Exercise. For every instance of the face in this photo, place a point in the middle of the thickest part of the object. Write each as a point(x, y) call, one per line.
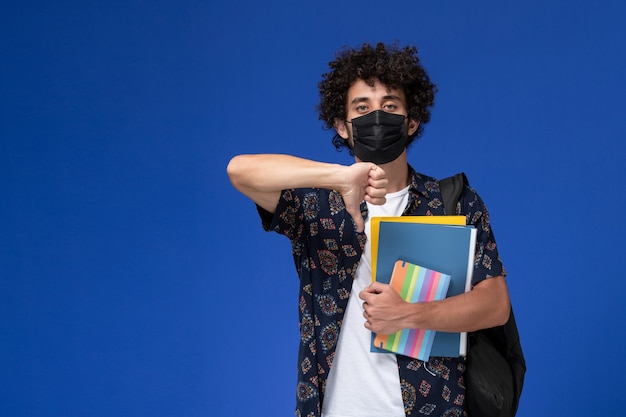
point(363, 98)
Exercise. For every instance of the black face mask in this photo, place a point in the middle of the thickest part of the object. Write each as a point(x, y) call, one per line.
point(379, 137)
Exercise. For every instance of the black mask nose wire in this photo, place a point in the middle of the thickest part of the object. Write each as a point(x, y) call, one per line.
point(350, 121)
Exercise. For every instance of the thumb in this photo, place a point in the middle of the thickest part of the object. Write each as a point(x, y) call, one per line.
point(376, 287)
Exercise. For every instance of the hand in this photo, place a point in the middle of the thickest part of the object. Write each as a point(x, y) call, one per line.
point(384, 309)
point(363, 181)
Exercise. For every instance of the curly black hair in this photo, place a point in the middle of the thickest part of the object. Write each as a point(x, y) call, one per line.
point(395, 67)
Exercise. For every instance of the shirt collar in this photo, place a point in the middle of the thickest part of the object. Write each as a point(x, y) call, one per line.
point(419, 184)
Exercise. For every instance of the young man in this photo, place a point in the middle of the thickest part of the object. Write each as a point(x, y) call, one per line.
point(377, 100)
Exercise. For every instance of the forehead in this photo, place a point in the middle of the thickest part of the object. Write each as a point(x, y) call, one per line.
point(372, 90)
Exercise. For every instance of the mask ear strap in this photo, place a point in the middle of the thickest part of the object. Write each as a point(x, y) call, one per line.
point(341, 128)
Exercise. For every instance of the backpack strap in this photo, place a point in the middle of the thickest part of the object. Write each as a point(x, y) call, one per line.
point(451, 189)
point(500, 340)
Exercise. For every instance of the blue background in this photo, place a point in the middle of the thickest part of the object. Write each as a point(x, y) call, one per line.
point(135, 281)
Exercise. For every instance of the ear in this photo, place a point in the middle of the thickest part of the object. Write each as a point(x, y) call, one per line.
point(413, 125)
point(341, 128)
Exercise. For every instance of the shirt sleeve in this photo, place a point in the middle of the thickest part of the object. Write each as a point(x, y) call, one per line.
point(487, 262)
point(287, 219)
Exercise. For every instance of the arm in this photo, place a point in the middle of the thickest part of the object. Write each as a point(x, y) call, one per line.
point(263, 177)
point(486, 305)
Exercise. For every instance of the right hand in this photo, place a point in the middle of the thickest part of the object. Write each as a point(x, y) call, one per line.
point(363, 181)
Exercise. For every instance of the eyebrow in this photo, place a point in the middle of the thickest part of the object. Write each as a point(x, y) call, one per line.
point(384, 98)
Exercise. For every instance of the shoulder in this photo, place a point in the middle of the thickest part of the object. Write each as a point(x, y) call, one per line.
point(472, 205)
point(456, 189)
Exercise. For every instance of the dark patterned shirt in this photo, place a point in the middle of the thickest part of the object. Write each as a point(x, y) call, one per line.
point(326, 250)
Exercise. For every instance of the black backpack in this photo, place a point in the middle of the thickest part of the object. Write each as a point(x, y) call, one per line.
point(495, 365)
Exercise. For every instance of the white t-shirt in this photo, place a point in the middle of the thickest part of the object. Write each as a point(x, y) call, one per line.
point(363, 383)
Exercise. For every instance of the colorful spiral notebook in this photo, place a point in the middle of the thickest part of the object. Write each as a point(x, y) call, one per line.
point(414, 284)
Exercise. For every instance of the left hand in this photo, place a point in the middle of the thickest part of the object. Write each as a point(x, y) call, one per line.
point(384, 309)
